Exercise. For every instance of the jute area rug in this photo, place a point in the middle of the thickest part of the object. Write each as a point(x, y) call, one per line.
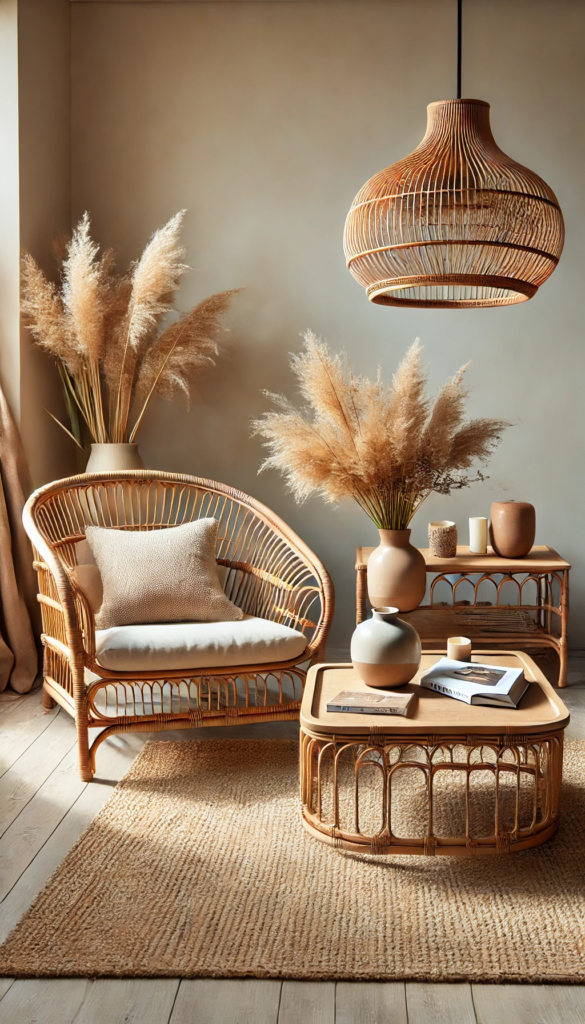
point(198, 866)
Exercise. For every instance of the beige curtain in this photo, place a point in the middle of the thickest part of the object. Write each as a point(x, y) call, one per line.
point(19, 609)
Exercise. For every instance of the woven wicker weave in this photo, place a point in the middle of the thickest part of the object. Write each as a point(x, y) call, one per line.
point(455, 224)
point(271, 573)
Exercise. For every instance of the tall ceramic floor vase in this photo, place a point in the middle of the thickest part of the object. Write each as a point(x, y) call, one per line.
point(105, 458)
point(385, 650)
point(396, 572)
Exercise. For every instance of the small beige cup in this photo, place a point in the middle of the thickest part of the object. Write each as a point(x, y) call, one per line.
point(443, 538)
point(459, 648)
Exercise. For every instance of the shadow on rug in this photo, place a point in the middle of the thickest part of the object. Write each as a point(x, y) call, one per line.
point(198, 866)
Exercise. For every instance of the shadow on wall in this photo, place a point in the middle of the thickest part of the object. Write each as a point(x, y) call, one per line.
point(216, 442)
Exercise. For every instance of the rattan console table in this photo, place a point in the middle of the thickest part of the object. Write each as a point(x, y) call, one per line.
point(537, 618)
point(448, 779)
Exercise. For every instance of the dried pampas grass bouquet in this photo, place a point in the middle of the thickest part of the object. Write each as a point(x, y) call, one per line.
point(388, 446)
point(103, 329)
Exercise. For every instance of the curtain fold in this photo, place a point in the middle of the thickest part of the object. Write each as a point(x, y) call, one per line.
point(20, 621)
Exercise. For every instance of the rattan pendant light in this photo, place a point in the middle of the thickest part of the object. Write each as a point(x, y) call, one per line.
point(457, 223)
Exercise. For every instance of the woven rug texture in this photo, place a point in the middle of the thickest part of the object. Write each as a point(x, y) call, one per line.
point(198, 866)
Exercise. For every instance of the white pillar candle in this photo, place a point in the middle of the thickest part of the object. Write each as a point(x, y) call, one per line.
point(478, 535)
point(459, 648)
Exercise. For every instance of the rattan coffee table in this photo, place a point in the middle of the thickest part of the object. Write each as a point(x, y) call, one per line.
point(466, 780)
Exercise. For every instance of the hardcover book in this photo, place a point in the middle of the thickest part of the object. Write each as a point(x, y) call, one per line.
point(373, 703)
point(476, 684)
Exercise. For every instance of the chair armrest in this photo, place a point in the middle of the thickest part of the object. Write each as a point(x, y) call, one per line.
point(63, 619)
point(315, 570)
point(291, 601)
point(86, 621)
point(316, 648)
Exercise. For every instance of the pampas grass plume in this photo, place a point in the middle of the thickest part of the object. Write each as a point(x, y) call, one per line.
point(102, 328)
point(386, 446)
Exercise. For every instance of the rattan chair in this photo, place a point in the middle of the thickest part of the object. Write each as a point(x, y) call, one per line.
point(270, 573)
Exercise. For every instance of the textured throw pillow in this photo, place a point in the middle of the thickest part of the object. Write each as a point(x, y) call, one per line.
point(87, 576)
point(167, 575)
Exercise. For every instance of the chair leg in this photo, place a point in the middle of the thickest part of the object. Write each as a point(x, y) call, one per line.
point(84, 760)
point(48, 702)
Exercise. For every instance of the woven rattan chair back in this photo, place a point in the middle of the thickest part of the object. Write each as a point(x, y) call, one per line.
point(270, 573)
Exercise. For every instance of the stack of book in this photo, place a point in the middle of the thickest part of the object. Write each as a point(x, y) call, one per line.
point(477, 684)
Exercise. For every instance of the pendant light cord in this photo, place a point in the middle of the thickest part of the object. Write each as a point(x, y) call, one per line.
point(459, 13)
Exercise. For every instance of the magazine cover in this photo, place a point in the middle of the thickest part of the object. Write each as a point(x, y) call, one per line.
point(476, 683)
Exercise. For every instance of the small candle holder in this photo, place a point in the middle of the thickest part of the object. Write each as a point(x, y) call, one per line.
point(459, 648)
point(443, 538)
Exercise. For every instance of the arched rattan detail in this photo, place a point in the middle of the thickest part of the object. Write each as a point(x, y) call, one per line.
point(526, 773)
point(271, 573)
point(457, 223)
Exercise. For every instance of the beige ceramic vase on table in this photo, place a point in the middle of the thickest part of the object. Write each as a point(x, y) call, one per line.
point(385, 650)
point(396, 572)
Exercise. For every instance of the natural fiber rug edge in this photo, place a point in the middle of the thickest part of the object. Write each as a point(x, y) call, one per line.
point(9, 968)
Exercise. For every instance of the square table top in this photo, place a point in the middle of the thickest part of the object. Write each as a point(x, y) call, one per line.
point(541, 710)
point(540, 559)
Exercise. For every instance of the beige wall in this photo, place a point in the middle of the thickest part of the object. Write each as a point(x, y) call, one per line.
point(263, 120)
point(35, 189)
point(44, 203)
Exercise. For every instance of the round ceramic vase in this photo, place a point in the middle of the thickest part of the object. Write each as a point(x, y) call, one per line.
point(512, 528)
point(385, 650)
point(396, 572)
point(106, 458)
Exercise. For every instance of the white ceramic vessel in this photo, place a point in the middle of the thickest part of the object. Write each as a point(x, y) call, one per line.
point(385, 650)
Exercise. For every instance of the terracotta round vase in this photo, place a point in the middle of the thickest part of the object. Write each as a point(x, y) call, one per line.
point(396, 572)
point(512, 528)
point(385, 650)
point(106, 458)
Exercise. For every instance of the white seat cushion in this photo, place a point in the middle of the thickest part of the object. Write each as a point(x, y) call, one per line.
point(187, 645)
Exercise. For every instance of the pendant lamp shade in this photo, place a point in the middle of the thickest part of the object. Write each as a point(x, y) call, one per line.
point(455, 224)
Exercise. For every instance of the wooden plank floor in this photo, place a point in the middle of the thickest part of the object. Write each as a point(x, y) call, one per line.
point(43, 809)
